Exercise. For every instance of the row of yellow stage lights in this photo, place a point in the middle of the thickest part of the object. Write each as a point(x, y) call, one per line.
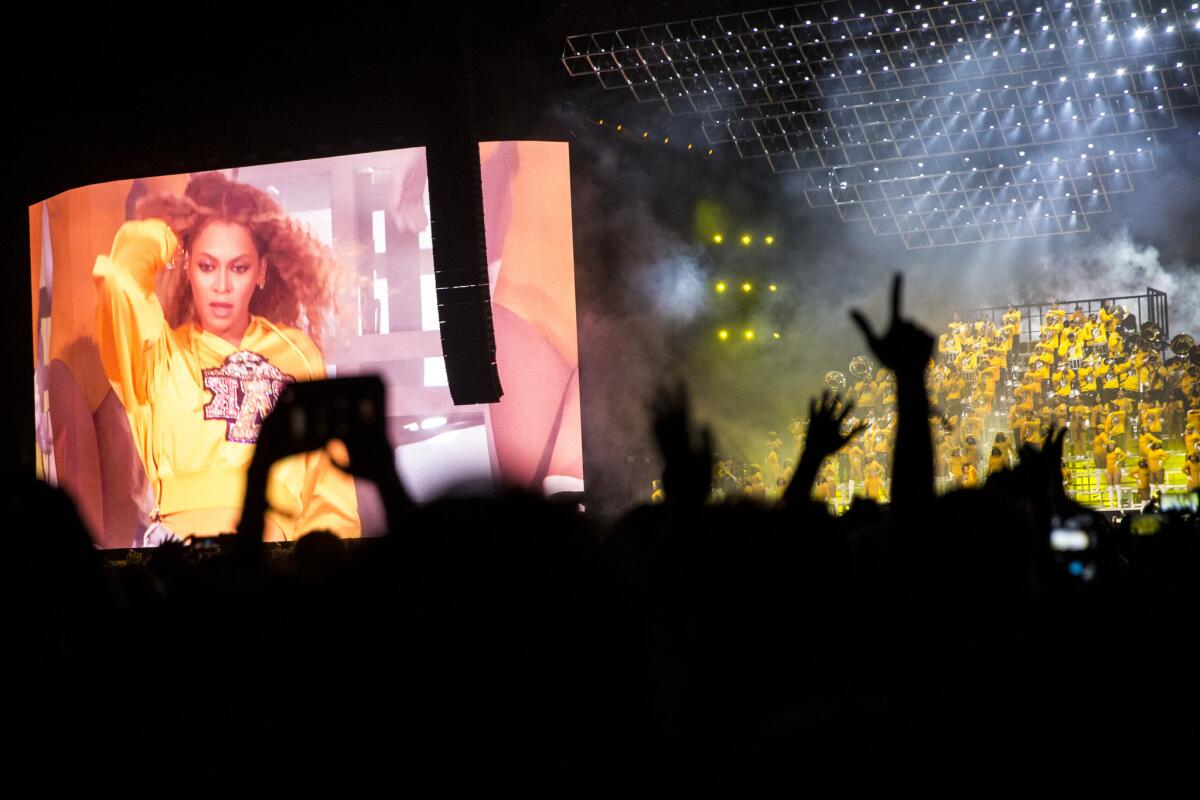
point(619, 128)
point(746, 239)
point(722, 287)
point(749, 335)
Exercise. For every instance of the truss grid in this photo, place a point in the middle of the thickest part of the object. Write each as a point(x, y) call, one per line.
point(996, 98)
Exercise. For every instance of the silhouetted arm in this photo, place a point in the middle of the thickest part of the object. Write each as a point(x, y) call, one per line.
point(373, 459)
point(687, 464)
point(287, 430)
point(824, 438)
point(906, 349)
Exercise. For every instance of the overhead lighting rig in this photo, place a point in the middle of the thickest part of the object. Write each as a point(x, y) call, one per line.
point(924, 119)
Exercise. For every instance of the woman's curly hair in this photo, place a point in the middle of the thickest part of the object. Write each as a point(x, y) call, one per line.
point(301, 271)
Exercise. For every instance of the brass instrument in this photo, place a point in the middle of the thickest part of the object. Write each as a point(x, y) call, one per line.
point(835, 381)
point(862, 367)
point(1182, 343)
point(1151, 337)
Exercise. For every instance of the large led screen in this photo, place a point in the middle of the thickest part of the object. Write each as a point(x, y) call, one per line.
point(168, 312)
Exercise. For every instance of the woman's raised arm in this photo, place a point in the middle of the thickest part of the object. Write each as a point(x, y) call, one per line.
point(129, 318)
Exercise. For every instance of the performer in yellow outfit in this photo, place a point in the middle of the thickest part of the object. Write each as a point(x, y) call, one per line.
point(196, 394)
point(996, 461)
point(1191, 468)
point(1114, 459)
point(1100, 445)
point(1155, 457)
point(874, 486)
point(970, 476)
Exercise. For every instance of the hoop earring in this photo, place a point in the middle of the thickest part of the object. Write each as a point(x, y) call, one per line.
point(179, 259)
point(262, 282)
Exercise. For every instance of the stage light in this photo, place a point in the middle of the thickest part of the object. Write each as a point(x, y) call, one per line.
point(620, 127)
point(721, 287)
point(746, 239)
point(769, 240)
point(776, 335)
point(747, 287)
point(718, 238)
point(749, 336)
point(723, 334)
point(773, 288)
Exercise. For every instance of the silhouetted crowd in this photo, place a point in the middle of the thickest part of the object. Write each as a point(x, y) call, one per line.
point(987, 640)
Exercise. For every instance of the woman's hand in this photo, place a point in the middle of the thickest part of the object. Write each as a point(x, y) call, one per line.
point(144, 245)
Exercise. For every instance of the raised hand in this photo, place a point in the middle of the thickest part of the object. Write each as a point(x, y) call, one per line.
point(825, 422)
point(687, 464)
point(905, 348)
point(1043, 467)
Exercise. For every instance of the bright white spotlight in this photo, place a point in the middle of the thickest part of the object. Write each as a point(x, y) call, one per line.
point(1140, 33)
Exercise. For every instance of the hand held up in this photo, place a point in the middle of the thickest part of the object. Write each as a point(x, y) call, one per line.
point(905, 348)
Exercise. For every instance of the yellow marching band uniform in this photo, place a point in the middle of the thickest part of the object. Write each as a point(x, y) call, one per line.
point(1126, 411)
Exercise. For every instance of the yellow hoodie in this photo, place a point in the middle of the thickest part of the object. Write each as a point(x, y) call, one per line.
point(195, 402)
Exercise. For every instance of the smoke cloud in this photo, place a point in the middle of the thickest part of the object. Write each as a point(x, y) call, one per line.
point(1118, 265)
